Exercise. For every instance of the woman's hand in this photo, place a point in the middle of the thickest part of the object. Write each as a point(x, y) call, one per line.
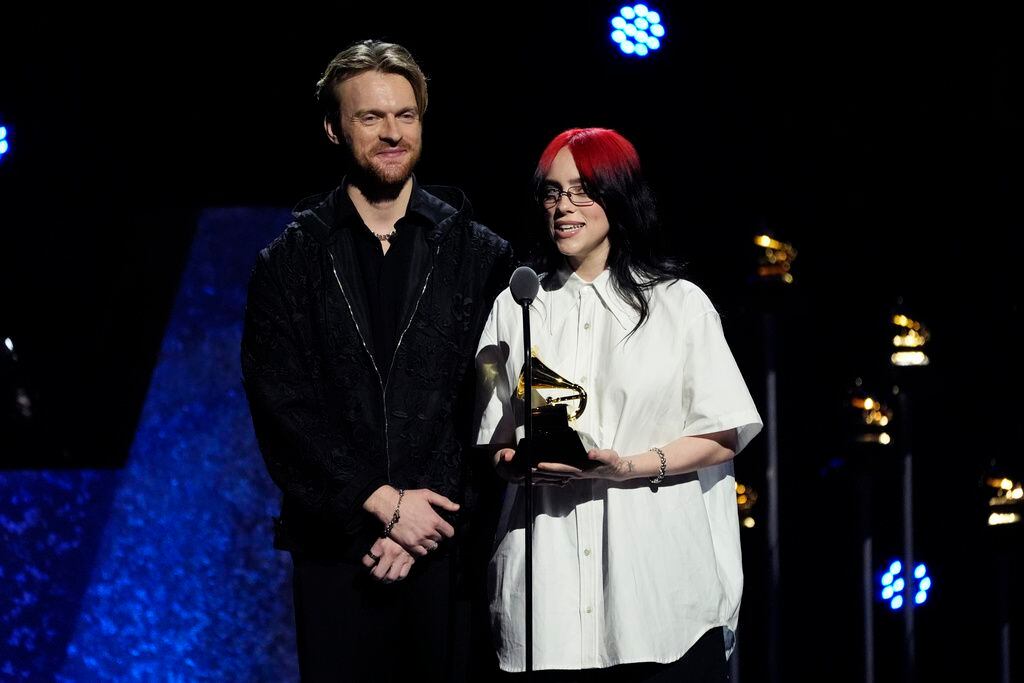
point(514, 473)
point(613, 467)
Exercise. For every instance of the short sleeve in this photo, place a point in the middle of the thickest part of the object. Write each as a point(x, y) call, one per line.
point(715, 397)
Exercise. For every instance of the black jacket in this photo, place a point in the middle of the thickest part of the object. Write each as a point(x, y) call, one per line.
point(331, 424)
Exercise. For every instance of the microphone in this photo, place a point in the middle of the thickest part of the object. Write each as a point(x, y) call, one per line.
point(524, 285)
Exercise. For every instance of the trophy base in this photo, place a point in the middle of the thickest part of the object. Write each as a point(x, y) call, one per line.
point(555, 441)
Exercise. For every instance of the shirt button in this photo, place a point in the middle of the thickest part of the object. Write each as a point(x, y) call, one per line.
point(587, 552)
point(589, 610)
point(583, 378)
point(586, 326)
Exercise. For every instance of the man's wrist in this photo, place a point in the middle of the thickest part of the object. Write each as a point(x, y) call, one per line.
point(382, 502)
point(395, 516)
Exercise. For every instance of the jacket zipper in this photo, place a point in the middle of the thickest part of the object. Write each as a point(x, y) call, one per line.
point(380, 381)
point(412, 315)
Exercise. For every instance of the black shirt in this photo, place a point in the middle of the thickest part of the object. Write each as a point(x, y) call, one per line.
point(385, 276)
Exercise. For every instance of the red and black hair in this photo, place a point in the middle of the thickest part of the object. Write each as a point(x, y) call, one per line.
point(609, 169)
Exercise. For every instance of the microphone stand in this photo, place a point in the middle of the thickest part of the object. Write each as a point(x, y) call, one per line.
point(528, 481)
point(524, 286)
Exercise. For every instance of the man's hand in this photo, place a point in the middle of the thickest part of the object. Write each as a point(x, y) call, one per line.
point(419, 529)
point(388, 562)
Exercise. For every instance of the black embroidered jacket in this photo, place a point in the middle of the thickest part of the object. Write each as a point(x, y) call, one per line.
point(332, 424)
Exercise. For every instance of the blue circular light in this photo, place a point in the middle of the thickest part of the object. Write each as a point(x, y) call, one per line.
point(640, 27)
point(3, 147)
point(897, 590)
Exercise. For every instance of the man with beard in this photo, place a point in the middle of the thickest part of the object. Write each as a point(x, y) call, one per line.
point(361, 327)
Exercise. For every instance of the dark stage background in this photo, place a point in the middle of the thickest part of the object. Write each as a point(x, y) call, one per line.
point(885, 143)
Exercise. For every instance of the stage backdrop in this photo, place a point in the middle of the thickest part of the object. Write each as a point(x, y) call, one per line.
point(163, 570)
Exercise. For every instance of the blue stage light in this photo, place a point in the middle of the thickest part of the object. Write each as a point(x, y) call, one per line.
point(637, 30)
point(895, 588)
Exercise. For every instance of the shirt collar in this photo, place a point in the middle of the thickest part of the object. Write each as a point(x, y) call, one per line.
point(559, 296)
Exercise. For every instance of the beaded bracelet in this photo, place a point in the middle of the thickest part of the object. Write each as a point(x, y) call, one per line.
point(662, 467)
point(395, 517)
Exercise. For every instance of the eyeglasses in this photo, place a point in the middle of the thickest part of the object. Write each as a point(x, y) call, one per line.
point(550, 196)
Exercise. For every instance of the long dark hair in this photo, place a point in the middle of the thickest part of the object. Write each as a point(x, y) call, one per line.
point(610, 171)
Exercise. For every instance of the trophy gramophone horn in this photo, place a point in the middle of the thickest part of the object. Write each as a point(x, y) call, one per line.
point(546, 378)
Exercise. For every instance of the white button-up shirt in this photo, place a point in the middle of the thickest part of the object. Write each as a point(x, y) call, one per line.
point(623, 572)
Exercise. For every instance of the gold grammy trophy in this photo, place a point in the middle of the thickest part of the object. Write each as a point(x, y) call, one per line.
point(555, 438)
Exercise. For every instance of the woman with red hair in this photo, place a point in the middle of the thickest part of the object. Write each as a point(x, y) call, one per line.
point(637, 565)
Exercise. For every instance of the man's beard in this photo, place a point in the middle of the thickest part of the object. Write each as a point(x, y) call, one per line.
point(383, 180)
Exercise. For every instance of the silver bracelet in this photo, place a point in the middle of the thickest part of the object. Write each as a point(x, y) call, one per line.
point(395, 517)
point(662, 467)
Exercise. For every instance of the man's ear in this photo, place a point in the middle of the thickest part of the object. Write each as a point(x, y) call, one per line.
point(331, 130)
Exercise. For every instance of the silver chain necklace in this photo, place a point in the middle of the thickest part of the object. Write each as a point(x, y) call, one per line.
point(384, 237)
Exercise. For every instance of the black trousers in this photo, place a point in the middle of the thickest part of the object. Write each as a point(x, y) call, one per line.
point(352, 628)
point(703, 663)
